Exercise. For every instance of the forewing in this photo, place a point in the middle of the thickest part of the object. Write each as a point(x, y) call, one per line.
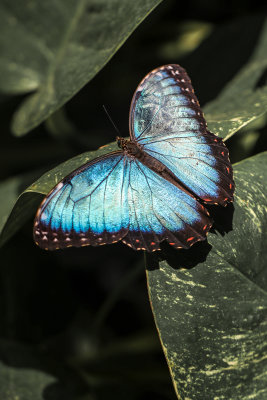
point(165, 117)
point(89, 207)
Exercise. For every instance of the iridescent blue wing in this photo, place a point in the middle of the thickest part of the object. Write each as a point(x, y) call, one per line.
point(89, 206)
point(165, 117)
point(161, 211)
point(116, 197)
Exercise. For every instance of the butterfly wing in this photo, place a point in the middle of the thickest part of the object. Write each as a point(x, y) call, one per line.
point(89, 206)
point(161, 211)
point(165, 117)
point(116, 197)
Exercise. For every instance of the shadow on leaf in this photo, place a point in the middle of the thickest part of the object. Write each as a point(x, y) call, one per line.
point(189, 258)
point(262, 81)
point(222, 218)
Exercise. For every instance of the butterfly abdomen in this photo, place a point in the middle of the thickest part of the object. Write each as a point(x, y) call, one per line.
point(134, 149)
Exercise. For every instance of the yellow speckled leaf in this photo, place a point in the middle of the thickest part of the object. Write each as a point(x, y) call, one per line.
point(210, 302)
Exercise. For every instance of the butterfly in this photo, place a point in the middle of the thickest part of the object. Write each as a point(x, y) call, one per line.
point(154, 187)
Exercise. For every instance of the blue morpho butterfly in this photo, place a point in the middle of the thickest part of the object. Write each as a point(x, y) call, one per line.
point(154, 187)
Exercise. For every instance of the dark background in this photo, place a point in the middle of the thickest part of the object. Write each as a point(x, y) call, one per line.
point(52, 304)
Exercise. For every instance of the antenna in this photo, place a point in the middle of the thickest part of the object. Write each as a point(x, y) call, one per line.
point(109, 117)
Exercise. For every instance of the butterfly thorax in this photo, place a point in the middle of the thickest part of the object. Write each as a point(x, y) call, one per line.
point(131, 148)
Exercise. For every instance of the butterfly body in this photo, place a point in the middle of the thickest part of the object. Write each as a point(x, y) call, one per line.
point(154, 187)
point(134, 150)
point(131, 148)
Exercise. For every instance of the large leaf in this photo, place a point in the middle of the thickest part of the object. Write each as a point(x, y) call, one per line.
point(24, 375)
point(19, 377)
point(54, 47)
point(212, 318)
point(22, 383)
point(244, 98)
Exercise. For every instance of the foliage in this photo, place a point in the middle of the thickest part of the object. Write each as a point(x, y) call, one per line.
point(77, 324)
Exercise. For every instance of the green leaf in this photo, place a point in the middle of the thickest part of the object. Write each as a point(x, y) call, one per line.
point(53, 48)
point(244, 99)
point(22, 383)
point(212, 318)
point(25, 375)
